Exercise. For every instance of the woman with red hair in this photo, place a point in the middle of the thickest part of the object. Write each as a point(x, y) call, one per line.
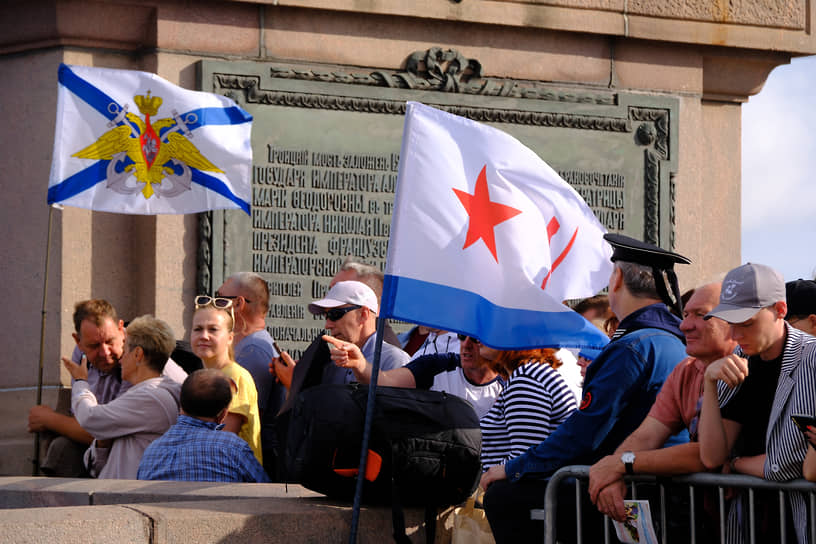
point(535, 401)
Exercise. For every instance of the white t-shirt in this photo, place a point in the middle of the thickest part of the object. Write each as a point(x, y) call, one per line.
point(443, 372)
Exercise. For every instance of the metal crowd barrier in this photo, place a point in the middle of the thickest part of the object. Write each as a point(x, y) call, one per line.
point(720, 481)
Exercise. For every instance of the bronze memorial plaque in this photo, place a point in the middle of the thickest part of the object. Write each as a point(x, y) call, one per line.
point(326, 142)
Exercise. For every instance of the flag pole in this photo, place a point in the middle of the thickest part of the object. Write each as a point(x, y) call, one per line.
point(36, 460)
point(375, 371)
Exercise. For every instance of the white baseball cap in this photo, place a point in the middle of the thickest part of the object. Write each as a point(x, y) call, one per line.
point(346, 292)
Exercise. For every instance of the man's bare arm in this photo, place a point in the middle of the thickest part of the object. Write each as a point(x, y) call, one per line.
point(753, 465)
point(650, 435)
point(348, 355)
point(717, 435)
point(680, 459)
point(646, 442)
point(43, 418)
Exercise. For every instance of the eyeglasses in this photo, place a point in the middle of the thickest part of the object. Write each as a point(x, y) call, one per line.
point(463, 337)
point(336, 314)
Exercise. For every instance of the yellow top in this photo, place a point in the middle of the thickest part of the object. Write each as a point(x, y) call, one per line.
point(245, 403)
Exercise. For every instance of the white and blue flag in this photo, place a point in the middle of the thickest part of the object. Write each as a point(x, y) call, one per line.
point(488, 240)
point(132, 142)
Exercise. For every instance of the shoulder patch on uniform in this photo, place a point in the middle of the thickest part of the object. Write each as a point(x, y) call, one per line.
point(586, 401)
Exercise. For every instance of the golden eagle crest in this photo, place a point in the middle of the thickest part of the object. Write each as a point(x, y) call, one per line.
point(154, 156)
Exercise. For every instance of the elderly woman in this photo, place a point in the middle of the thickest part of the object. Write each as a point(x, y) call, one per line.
point(535, 401)
point(211, 340)
point(125, 426)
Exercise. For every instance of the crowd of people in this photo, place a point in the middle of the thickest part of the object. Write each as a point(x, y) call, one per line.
point(706, 381)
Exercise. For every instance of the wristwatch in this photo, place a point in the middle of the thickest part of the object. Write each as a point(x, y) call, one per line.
point(628, 459)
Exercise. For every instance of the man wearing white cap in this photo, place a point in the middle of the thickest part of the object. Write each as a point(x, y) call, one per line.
point(350, 309)
point(777, 380)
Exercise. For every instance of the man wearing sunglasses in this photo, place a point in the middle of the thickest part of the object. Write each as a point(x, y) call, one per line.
point(354, 270)
point(465, 374)
point(350, 309)
point(254, 348)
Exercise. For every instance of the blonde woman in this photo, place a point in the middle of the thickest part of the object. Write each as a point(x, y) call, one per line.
point(211, 340)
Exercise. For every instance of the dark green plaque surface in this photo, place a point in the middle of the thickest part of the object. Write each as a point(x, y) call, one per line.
point(326, 143)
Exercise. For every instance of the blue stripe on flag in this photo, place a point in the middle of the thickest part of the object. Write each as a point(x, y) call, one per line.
point(215, 184)
point(219, 116)
point(81, 181)
point(211, 116)
point(97, 172)
point(453, 309)
point(87, 92)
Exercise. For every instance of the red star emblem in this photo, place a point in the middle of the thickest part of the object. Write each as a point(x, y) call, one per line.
point(483, 214)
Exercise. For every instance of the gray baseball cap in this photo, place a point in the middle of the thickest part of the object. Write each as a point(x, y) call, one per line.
point(746, 290)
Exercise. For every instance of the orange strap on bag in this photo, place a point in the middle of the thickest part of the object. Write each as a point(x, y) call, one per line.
point(373, 466)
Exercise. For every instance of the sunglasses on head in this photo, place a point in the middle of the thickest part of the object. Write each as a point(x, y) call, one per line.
point(336, 314)
point(222, 303)
point(463, 337)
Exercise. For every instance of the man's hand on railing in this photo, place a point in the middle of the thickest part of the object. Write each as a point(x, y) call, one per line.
point(610, 500)
point(608, 470)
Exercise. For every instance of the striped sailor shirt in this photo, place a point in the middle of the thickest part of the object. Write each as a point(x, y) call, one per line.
point(535, 402)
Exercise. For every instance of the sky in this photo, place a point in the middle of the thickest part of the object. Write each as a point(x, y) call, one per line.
point(779, 171)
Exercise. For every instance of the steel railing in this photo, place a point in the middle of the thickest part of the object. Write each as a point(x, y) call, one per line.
point(706, 480)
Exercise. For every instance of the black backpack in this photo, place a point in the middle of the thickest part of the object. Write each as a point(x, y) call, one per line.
point(424, 447)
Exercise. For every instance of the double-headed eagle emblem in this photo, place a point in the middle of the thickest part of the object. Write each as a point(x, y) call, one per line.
point(159, 155)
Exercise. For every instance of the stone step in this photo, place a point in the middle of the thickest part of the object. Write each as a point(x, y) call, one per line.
point(61, 510)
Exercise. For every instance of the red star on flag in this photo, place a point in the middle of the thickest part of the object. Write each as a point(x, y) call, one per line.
point(483, 214)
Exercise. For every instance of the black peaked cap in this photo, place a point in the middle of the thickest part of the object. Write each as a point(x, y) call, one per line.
point(634, 251)
point(631, 250)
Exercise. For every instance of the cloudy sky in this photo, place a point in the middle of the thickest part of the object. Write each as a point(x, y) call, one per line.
point(779, 172)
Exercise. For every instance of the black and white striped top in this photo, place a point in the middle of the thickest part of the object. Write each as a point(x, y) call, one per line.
point(535, 401)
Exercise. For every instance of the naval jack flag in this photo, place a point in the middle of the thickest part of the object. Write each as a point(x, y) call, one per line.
point(487, 239)
point(132, 142)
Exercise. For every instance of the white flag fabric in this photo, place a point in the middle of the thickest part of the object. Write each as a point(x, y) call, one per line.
point(132, 142)
point(487, 239)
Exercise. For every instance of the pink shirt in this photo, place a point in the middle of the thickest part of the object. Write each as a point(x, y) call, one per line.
point(676, 404)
